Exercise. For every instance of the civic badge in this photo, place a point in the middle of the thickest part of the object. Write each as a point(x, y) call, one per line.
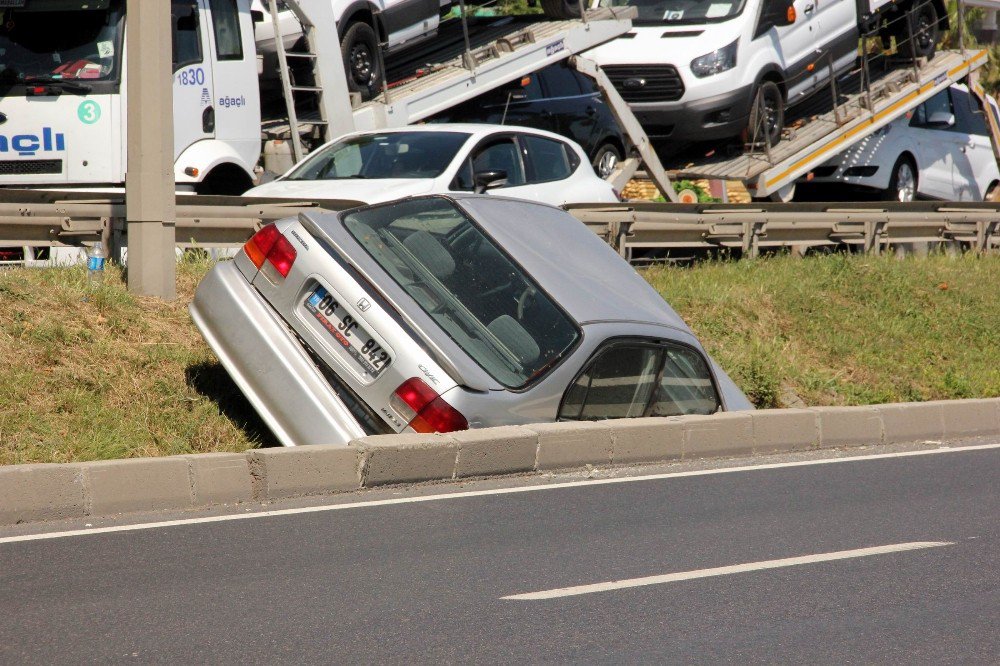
point(364, 305)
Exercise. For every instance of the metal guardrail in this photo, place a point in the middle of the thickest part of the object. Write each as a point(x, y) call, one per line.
point(52, 219)
point(40, 219)
point(751, 227)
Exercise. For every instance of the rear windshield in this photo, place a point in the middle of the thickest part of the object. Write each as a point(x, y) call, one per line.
point(483, 300)
point(389, 155)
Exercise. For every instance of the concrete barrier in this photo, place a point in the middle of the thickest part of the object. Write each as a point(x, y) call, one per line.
point(76, 490)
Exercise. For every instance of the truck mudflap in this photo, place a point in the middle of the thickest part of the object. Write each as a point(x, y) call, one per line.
point(268, 363)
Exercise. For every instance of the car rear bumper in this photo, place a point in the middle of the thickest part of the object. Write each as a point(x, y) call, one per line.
point(268, 363)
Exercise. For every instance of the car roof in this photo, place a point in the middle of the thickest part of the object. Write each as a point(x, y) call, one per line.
point(477, 130)
point(584, 275)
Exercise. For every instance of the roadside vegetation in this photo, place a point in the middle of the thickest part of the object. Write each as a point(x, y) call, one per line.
point(108, 375)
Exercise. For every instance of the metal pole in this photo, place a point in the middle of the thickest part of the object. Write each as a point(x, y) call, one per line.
point(833, 89)
point(469, 63)
point(149, 183)
point(913, 48)
point(961, 27)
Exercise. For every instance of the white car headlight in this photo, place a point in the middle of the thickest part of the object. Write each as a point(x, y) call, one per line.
point(717, 61)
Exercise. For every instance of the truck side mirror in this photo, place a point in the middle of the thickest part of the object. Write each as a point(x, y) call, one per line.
point(488, 180)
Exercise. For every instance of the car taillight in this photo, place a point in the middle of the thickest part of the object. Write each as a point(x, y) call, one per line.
point(425, 410)
point(268, 244)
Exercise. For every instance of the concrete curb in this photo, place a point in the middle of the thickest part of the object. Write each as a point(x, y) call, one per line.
point(77, 490)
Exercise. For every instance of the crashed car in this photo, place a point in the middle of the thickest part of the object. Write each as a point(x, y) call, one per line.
point(441, 313)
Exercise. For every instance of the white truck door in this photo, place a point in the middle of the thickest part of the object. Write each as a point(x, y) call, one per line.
point(236, 102)
point(797, 44)
point(837, 29)
point(408, 19)
point(193, 89)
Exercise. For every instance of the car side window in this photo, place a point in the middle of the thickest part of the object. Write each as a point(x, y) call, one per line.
point(561, 81)
point(502, 155)
point(685, 385)
point(548, 159)
point(632, 379)
point(186, 32)
point(226, 25)
point(617, 384)
point(932, 108)
point(969, 118)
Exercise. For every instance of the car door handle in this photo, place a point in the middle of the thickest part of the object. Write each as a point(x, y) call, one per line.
point(808, 9)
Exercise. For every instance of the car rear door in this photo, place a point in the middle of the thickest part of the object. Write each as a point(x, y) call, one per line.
point(571, 106)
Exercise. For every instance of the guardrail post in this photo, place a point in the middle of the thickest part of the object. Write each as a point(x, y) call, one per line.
point(149, 188)
point(984, 231)
point(873, 236)
point(751, 237)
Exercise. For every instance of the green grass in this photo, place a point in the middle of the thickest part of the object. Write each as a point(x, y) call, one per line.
point(108, 375)
point(846, 330)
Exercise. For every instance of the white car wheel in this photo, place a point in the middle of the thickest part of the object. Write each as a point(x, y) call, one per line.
point(903, 184)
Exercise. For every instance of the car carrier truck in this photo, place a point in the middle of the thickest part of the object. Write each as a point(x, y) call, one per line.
point(65, 90)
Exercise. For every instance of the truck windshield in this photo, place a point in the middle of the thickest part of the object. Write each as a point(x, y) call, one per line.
point(389, 155)
point(43, 41)
point(494, 311)
point(682, 12)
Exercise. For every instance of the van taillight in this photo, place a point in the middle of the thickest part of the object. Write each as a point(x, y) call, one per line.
point(268, 244)
point(425, 410)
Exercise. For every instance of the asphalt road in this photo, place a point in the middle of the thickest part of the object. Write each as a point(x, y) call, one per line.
point(422, 579)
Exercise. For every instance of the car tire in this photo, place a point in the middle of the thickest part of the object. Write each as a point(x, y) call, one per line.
point(606, 160)
point(923, 20)
point(362, 62)
point(992, 193)
point(561, 9)
point(902, 182)
point(767, 116)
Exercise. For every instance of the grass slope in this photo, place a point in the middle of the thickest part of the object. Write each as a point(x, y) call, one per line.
point(110, 375)
point(845, 329)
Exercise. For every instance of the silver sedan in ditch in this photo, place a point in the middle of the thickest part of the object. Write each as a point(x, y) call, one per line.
point(442, 313)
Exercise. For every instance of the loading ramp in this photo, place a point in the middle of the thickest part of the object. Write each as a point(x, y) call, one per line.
point(769, 171)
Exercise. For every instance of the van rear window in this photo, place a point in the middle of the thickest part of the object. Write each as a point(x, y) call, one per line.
point(468, 285)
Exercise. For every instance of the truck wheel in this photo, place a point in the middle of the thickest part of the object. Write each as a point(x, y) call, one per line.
point(768, 116)
point(606, 160)
point(903, 183)
point(361, 60)
point(924, 21)
point(561, 9)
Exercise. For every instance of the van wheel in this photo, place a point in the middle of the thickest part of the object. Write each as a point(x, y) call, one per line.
point(767, 114)
point(606, 160)
point(561, 9)
point(993, 193)
point(903, 183)
point(361, 60)
point(924, 21)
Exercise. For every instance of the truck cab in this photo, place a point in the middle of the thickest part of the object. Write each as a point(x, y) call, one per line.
point(62, 111)
point(715, 69)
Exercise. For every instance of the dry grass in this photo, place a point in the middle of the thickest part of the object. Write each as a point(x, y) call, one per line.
point(110, 375)
point(846, 329)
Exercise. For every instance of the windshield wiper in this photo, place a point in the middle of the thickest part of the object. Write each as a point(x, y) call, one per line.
point(57, 87)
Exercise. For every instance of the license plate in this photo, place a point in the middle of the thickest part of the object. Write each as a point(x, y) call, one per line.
point(349, 334)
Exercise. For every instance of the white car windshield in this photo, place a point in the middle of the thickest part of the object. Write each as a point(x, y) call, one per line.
point(389, 155)
point(468, 285)
point(43, 42)
point(682, 12)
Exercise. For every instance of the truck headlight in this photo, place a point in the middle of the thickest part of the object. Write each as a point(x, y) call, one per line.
point(717, 61)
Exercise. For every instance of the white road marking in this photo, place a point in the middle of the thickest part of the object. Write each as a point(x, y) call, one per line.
point(483, 493)
point(725, 571)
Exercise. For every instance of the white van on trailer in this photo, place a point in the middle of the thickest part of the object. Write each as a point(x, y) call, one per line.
point(692, 69)
point(62, 110)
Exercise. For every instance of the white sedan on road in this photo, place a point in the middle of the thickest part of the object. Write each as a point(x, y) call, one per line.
point(941, 150)
point(383, 165)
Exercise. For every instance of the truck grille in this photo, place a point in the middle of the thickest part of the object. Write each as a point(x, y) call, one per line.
point(646, 83)
point(29, 167)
